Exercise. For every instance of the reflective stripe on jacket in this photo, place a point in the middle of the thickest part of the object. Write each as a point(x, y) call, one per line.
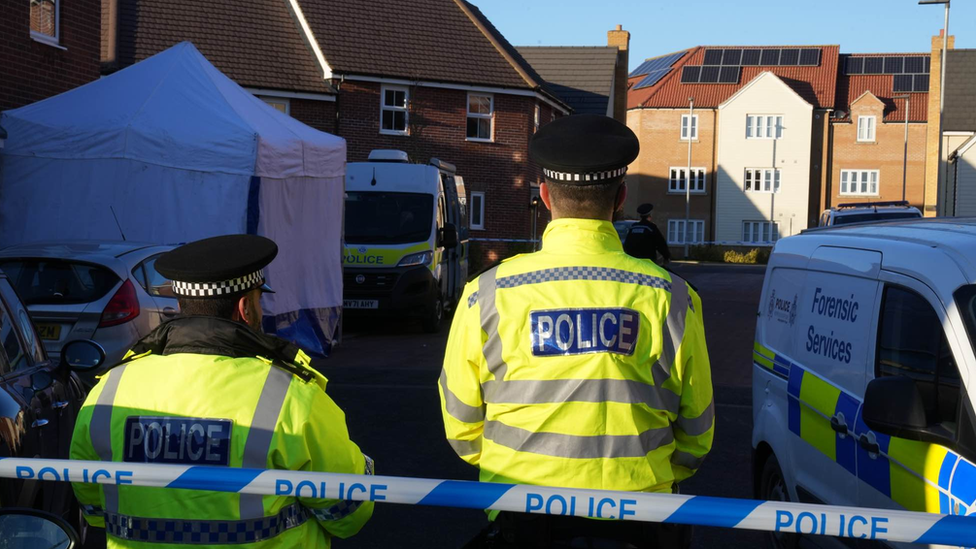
point(192, 382)
point(579, 366)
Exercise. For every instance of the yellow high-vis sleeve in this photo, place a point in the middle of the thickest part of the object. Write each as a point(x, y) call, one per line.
point(694, 428)
point(89, 495)
point(462, 403)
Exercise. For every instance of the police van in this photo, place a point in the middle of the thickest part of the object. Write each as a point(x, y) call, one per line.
point(864, 374)
point(406, 238)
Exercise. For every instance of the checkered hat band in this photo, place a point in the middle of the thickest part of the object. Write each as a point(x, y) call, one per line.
point(216, 289)
point(593, 177)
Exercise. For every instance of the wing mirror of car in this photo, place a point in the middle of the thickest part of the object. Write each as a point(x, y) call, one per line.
point(30, 529)
point(894, 406)
point(82, 355)
point(449, 236)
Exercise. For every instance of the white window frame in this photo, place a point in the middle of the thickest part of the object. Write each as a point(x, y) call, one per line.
point(405, 109)
point(277, 101)
point(764, 126)
point(684, 127)
point(490, 117)
point(481, 211)
point(867, 129)
point(770, 179)
point(537, 118)
point(676, 231)
point(861, 179)
point(46, 38)
point(753, 232)
point(677, 176)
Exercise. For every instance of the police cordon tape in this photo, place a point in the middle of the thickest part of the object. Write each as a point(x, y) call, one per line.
point(771, 516)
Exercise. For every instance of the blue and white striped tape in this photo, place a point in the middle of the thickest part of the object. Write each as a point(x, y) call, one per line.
point(772, 516)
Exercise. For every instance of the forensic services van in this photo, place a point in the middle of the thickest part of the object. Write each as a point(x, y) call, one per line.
point(406, 238)
point(864, 375)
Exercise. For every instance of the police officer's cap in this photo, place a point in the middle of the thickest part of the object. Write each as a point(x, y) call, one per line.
point(645, 209)
point(221, 266)
point(584, 149)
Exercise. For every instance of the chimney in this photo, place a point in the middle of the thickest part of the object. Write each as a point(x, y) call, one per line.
point(933, 174)
point(620, 39)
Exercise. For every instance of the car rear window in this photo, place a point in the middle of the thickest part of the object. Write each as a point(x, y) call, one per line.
point(55, 281)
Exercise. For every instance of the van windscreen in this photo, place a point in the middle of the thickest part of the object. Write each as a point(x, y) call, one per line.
point(388, 218)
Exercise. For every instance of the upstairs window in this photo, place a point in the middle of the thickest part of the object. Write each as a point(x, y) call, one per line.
point(393, 110)
point(537, 119)
point(278, 103)
point(481, 116)
point(679, 176)
point(689, 126)
point(762, 180)
point(865, 128)
point(45, 19)
point(764, 126)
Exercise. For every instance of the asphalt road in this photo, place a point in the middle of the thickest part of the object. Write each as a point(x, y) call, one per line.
point(384, 376)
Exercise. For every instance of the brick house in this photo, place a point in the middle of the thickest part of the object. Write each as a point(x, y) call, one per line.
point(659, 112)
point(46, 47)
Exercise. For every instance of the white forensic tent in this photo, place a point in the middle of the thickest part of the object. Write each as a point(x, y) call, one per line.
point(180, 152)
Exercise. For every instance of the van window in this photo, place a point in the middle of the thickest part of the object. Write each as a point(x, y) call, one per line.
point(388, 218)
point(912, 343)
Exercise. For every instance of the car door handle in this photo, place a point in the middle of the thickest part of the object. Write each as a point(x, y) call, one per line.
point(169, 311)
point(59, 404)
point(870, 447)
point(838, 425)
point(39, 423)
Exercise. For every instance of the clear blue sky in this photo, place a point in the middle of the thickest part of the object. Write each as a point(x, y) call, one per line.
point(658, 27)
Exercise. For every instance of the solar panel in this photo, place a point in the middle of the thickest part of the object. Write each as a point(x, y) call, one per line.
point(927, 66)
point(789, 57)
point(921, 83)
point(894, 65)
point(855, 65)
point(709, 75)
point(903, 83)
point(750, 57)
point(652, 78)
point(658, 63)
point(873, 65)
point(732, 58)
point(914, 65)
point(810, 57)
point(690, 75)
point(770, 57)
point(713, 57)
point(729, 75)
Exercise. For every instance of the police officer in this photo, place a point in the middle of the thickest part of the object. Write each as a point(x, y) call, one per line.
point(644, 239)
point(208, 388)
point(579, 366)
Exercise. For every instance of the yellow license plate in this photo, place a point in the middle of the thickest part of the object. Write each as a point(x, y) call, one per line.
point(49, 331)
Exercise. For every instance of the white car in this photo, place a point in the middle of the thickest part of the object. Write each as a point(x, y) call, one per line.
point(864, 374)
point(868, 212)
point(106, 291)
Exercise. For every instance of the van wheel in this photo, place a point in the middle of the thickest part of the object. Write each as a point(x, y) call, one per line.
point(772, 487)
point(432, 322)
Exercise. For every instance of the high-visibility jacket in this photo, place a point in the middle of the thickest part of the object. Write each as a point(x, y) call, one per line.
point(206, 391)
point(579, 366)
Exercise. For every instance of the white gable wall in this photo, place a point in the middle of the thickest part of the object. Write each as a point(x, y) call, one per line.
point(765, 95)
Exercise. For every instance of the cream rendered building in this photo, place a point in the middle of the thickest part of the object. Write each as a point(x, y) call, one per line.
point(763, 168)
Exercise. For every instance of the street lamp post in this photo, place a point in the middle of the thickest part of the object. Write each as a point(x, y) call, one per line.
point(945, 46)
point(904, 162)
point(691, 125)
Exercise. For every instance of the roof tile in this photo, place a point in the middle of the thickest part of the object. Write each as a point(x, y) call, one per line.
point(580, 76)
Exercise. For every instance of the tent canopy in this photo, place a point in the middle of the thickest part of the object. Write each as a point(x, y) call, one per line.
point(174, 109)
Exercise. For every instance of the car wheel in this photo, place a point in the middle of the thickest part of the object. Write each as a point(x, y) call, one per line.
point(432, 322)
point(772, 487)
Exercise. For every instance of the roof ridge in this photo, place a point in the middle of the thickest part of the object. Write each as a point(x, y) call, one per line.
point(529, 79)
point(667, 54)
point(571, 47)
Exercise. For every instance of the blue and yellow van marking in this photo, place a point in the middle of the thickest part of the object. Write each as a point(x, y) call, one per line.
point(918, 476)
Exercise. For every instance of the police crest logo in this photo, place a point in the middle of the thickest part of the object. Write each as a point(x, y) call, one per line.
point(177, 440)
point(561, 332)
point(772, 303)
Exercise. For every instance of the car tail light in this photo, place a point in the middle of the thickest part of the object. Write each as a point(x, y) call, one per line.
point(123, 307)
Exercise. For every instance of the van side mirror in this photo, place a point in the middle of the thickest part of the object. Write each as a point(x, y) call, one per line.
point(894, 406)
point(82, 355)
point(449, 236)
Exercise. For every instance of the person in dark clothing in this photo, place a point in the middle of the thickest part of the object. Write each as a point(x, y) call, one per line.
point(644, 239)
